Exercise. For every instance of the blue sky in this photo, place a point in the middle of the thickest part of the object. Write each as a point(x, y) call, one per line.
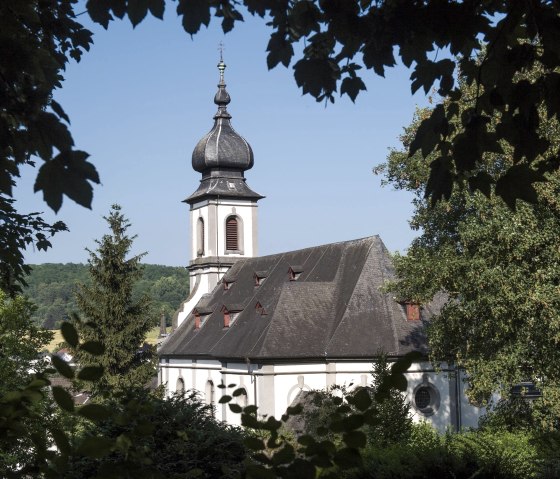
point(141, 99)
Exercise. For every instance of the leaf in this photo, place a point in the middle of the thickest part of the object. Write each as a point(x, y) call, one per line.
point(347, 458)
point(95, 412)
point(440, 182)
point(316, 76)
point(280, 50)
point(235, 408)
point(352, 87)
point(96, 447)
point(137, 10)
point(90, 373)
point(402, 365)
point(239, 392)
point(482, 182)
point(69, 334)
point(93, 347)
point(195, 13)
point(62, 367)
point(254, 443)
point(61, 440)
point(157, 7)
point(99, 12)
point(59, 111)
point(63, 398)
point(284, 455)
point(301, 469)
point(67, 174)
point(225, 399)
point(361, 399)
point(517, 183)
point(354, 439)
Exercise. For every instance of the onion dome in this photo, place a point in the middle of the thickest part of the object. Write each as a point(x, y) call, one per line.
point(222, 156)
point(222, 148)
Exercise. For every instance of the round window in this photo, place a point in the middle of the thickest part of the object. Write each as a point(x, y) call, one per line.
point(422, 398)
point(426, 398)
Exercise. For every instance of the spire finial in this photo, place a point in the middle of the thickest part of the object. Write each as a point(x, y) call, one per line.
point(221, 65)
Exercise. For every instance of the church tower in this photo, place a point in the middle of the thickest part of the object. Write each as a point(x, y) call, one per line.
point(223, 210)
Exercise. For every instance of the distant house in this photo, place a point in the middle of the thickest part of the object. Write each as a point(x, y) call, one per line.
point(290, 322)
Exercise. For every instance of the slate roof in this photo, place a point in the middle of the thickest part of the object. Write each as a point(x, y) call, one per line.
point(335, 309)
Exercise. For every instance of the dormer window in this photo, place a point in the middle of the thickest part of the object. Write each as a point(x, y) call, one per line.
point(228, 281)
point(412, 311)
point(231, 312)
point(259, 277)
point(259, 308)
point(295, 272)
point(200, 316)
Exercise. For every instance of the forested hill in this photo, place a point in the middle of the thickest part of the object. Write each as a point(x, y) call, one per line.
point(51, 288)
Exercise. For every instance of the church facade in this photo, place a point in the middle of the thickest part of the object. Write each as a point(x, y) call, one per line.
point(281, 324)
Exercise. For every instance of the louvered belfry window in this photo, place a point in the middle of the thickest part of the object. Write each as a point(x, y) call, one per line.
point(232, 237)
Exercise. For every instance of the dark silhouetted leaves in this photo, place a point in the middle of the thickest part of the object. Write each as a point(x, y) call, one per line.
point(95, 447)
point(95, 412)
point(93, 347)
point(62, 367)
point(69, 334)
point(90, 373)
point(63, 398)
point(67, 174)
point(195, 14)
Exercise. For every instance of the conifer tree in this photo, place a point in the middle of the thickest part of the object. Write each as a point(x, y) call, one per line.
point(112, 315)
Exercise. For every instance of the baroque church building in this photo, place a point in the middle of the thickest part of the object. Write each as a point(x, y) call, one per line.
point(290, 322)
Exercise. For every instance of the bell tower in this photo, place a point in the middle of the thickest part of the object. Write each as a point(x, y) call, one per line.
point(223, 210)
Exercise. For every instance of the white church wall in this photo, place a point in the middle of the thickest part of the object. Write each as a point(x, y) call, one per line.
point(274, 387)
point(244, 210)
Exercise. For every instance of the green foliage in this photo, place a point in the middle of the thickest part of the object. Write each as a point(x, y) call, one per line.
point(178, 437)
point(498, 267)
point(427, 454)
point(20, 344)
point(52, 288)
point(390, 420)
point(490, 43)
point(38, 40)
point(112, 316)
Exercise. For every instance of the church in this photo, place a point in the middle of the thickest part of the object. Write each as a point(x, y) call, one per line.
point(296, 321)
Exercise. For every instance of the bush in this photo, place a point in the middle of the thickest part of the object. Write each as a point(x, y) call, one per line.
point(172, 438)
point(427, 454)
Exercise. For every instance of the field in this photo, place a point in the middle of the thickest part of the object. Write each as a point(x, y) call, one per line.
point(151, 338)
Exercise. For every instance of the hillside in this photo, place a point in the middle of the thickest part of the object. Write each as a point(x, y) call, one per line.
point(51, 287)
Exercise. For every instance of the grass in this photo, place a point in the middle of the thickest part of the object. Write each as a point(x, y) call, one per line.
point(151, 338)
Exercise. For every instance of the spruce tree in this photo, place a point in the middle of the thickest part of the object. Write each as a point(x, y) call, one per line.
point(112, 315)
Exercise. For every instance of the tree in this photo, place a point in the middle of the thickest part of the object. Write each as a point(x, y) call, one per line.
point(490, 42)
point(178, 437)
point(500, 270)
point(113, 317)
point(37, 40)
point(21, 342)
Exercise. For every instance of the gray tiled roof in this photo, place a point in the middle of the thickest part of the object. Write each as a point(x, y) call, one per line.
point(335, 309)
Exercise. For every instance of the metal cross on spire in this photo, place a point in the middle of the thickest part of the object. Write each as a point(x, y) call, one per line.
point(221, 65)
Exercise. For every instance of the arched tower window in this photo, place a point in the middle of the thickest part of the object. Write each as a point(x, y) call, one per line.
point(232, 234)
point(200, 237)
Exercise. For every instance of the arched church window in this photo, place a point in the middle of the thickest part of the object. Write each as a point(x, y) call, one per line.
point(232, 234)
point(180, 387)
point(200, 237)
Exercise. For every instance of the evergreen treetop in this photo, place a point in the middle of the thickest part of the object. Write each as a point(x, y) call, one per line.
point(112, 315)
